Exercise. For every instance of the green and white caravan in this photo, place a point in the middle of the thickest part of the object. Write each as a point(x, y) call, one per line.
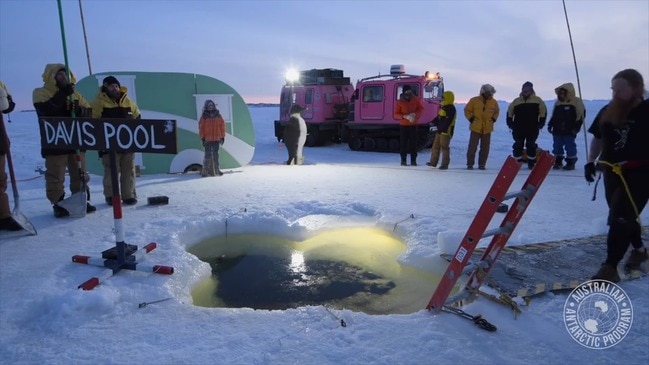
point(180, 96)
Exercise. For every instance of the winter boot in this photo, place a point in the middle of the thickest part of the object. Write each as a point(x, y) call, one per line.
point(413, 160)
point(558, 162)
point(530, 164)
point(608, 273)
point(635, 259)
point(570, 163)
point(90, 208)
point(9, 224)
point(403, 161)
point(60, 212)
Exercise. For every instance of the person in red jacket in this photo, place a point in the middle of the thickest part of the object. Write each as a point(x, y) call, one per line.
point(211, 130)
point(408, 110)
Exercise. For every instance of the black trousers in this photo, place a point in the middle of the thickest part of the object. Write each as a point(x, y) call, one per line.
point(526, 138)
point(624, 228)
point(408, 141)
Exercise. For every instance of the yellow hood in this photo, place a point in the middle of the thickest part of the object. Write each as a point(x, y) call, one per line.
point(569, 88)
point(449, 98)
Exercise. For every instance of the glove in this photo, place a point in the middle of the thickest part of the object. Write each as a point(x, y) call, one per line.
point(471, 119)
point(410, 117)
point(441, 113)
point(222, 141)
point(203, 141)
point(541, 123)
point(432, 129)
point(589, 172)
point(510, 123)
point(67, 89)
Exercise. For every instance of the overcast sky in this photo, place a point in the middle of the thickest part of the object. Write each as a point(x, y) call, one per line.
point(250, 44)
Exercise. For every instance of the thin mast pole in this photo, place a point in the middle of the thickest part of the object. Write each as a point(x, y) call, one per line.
point(85, 38)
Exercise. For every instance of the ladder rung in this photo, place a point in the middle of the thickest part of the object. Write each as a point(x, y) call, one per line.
point(475, 265)
point(500, 230)
point(517, 194)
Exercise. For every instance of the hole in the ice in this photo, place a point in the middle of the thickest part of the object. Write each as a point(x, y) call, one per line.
point(349, 268)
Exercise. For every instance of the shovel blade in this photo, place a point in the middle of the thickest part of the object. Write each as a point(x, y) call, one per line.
point(22, 221)
point(75, 204)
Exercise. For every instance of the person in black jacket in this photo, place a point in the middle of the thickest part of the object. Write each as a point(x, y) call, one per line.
point(525, 117)
point(567, 118)
point(443, 125)
point(620, 147)
point(57, 98)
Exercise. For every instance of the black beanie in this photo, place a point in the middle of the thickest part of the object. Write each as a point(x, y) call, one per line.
point(109, 80)
point(528, 84)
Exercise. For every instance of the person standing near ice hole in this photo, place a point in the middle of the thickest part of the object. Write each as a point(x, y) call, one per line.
point(444, 126)
point(57, 98)
point(408, 110)
point(620, 147)
point(295, 136)
point(211, 130)
point(525, 117)
point(567, 117)
point(6, 220)
point(482, 112)
point(112, 102)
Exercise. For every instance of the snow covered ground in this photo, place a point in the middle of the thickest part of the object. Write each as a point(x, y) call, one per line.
point(44, 319)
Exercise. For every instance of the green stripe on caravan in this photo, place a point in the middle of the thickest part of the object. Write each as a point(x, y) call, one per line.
point(180, 97)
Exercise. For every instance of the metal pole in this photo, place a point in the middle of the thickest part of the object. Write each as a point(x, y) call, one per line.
point(574, 58)
point(85, 38)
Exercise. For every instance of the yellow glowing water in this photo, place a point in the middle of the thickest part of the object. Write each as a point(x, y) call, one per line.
point(370, 248)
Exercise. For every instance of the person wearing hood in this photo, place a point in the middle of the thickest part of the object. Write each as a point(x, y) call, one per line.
point(295, 135)
point(567, 118)
point(482, 112)
point(525, 117)
point(211, 130)
point(6, 220)
point(619, 146)
point(112, 101)
point(444, 126)
point(58, 98)
point(408, 110)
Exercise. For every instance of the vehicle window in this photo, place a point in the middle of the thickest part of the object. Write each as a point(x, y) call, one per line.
point(308, 97)
point(373, 94)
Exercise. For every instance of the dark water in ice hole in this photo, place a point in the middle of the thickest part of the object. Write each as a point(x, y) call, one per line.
point(268, 272)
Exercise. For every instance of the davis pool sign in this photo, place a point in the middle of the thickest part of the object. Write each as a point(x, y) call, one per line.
point(118, 135)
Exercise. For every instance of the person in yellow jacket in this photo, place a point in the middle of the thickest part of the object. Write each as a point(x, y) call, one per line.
point(444, 126)
point(112, 102)
point(6, 220)
point(57, 98)
point(482, 112)
point(408, 110)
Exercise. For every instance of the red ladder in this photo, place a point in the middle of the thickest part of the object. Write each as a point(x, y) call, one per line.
point(478, 230)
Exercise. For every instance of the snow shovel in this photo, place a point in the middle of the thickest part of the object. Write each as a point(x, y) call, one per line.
point(16, 214)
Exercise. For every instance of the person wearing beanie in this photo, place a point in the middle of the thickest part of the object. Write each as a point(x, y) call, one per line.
point(295, 135)
point(6, 220)
point(482, 112)
point(112, 101)
point(211, 130)
point(58, 98)
point(525, 117)
point(408, 110)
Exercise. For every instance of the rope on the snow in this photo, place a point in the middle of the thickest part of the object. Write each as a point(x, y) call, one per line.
point(342, 321)
point(574, 58)
point(411, 216)
point(144, 304)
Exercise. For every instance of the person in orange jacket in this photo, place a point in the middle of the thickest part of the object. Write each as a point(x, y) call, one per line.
point(482, 112)
point(408, 110)
point(211, 130)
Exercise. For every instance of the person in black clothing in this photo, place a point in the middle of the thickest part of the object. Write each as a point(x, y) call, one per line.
point(620, 147)
point(443, 125)
point(568, 116)
point(525, 117)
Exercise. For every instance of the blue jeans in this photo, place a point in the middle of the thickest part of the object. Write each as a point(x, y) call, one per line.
point(566, 141)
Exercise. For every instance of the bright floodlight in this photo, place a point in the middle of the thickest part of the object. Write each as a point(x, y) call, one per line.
point(292, 75)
